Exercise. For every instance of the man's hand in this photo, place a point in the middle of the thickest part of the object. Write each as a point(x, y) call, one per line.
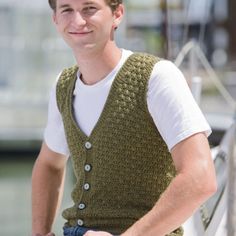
point(194, 183)
point(47, 186)
point(97, 233)
point(49, 234)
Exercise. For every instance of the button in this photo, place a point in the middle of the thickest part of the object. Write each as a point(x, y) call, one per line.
point(88, 145)
point(80, 222)
point(87, 167)
point(81, 206)
point(86, 186)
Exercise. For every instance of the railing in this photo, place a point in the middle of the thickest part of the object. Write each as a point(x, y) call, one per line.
point(197, 55)
point(231, 216)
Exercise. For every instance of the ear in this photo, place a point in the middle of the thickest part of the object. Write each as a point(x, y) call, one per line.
point(118, 15)
point(54, 18)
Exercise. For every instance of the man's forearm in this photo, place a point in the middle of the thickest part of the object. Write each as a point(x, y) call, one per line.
point(177, 203)
point(46, 185)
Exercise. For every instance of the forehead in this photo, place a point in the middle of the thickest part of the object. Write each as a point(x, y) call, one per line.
point(59, 2)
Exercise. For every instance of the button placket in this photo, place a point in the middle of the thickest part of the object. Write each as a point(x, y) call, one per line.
point(86, 185)
point(87, 167)
point(88, 145)
point(80, 222)
point(82, 206)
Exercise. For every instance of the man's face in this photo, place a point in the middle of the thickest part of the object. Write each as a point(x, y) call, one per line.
point(86, 24)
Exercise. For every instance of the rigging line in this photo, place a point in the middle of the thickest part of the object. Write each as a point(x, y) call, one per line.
point(186, 23)
point(183, 53)
point(212, 74)
point(215, 79)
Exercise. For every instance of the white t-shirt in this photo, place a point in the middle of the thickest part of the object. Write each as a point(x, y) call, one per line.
point(169, 99)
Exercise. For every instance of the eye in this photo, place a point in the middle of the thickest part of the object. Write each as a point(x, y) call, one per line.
point(66, 10)
point(89, 10)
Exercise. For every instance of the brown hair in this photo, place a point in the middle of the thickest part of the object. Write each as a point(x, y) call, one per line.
point(113, 4)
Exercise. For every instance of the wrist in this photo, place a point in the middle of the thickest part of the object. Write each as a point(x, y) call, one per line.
point(49, 234)
point(129, 232)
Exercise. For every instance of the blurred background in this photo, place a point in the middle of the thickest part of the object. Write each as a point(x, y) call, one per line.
point(32, 55)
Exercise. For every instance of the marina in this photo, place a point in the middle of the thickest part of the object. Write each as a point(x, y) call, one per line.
point(31, 59)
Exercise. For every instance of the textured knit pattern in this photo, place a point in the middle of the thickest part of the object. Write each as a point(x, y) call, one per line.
point(131, 165)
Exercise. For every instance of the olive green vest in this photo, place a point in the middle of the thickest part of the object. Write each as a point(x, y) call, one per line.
point(124, 166)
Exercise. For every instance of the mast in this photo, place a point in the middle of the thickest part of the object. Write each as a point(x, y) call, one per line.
point(164, 26)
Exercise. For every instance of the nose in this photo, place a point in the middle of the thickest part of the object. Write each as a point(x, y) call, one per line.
point(78, 20)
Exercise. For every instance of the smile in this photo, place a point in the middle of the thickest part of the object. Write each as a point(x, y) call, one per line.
point(80, 33)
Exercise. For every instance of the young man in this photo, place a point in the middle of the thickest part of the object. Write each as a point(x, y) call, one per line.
point(137, 139)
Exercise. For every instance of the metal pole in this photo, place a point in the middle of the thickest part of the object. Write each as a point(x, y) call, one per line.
point(196, 88)
point(164, 26)
point(231, 217)
point(193, 62)
point(168, 31)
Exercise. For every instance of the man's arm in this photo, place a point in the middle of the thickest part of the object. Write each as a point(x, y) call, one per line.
point(47, 185)
point(194, 183)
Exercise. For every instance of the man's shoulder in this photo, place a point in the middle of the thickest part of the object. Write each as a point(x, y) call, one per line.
point(65, 84)
point(145, 57)
point(141, 63)
point(68, 73)
point(67, 76)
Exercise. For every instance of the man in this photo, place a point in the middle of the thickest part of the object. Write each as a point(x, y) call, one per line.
point(116, 115)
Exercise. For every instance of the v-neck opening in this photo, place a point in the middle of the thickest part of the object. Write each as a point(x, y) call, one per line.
point(105, 107)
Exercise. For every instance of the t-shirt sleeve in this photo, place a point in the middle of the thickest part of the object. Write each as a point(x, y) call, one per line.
point(175, 113)
point(54, 134)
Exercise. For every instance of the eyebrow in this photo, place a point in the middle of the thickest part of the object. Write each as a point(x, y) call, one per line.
point(88, 3)
point(68, 5)
point(63, 6)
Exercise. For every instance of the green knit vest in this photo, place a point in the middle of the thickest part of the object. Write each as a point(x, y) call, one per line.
point(124, 166)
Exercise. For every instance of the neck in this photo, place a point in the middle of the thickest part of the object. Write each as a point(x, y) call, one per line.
point(95, 66)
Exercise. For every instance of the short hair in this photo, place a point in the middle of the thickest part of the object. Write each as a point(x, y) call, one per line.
point(113, 4)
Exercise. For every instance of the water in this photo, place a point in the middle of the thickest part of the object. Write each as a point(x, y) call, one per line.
point(15, 196)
